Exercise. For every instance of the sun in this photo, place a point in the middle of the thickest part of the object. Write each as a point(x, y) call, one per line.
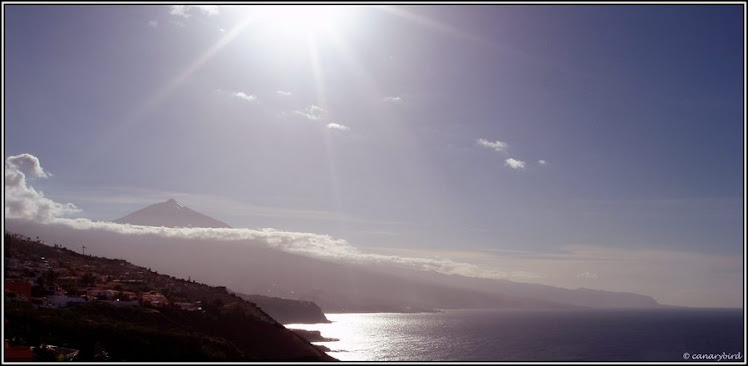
point(303, 20)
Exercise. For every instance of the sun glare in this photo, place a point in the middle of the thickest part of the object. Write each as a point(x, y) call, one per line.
point(305, 20)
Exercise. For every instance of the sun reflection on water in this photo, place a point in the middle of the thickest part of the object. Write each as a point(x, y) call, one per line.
point(358, 335)
point(525, 335)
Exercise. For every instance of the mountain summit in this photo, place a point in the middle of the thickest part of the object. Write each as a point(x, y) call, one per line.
point(170, 214)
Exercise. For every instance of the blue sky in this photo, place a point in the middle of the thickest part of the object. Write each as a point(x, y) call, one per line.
point(368, 127)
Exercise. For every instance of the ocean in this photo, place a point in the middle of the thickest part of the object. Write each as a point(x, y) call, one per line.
point(536, 335)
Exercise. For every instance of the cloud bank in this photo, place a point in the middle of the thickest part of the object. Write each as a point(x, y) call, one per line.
point(308, 244)
point(22, 200)
point(312, 245)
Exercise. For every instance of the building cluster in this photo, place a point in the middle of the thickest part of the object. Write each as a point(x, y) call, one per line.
point(45, 282)
point(56, 278)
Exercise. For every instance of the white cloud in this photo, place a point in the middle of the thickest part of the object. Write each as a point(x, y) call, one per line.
point(496, 145)
point(245, 96)
point(542, 162)
point(185, 11)
point(307, 244)
point(153, 24)
point(312, 112)
point(283, 93)
point(587, 275)
point(180, 10)
point(27, 164)
point(336, 126)
point(22, 200)
point(501, 147)
point(178, 23)
point(208, 9)
point(514, 163)
point(393, 100)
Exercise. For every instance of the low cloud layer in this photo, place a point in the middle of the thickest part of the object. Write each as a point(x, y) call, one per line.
point(22, 200)
point(307, 244)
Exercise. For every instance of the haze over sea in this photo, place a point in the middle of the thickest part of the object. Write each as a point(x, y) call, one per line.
point(534, 335)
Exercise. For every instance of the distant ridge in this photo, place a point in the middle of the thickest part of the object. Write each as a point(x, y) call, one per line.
point(170, 214)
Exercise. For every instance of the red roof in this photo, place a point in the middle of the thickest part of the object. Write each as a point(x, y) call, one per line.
point(18, 353)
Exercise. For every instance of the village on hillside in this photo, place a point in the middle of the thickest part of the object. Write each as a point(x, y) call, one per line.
point(53, 277)
point(57, 281)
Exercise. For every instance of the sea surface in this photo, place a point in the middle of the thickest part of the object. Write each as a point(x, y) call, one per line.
point(534, 335)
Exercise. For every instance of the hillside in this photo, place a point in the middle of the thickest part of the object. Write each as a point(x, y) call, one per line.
point(287, 311)
point(112, 310)
point(580, 297)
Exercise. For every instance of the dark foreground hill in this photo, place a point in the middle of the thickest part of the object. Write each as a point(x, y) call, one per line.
point(223, 327)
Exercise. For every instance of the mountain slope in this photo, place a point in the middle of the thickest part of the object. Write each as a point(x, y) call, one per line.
point(287, 311)
point(583, 297)
point(170, 214)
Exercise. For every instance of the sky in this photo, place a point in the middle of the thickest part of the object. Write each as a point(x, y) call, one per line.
point(519, 138)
